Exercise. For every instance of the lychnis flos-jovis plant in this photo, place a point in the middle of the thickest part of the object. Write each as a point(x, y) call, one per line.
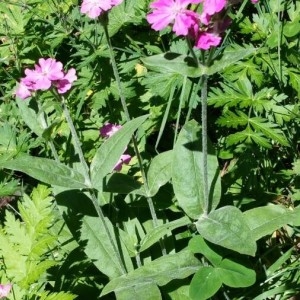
point(204, 28)
point(107, 131)
point(46, 74)
point(5, 290)
point(94, 8)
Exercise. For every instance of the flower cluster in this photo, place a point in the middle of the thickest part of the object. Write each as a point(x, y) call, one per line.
point(107, 131)
point(4, 290)
point(47, 73)
point(204, 28)
point(94, 8)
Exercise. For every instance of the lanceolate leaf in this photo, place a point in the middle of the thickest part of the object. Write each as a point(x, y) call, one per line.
point(99, 246)
point(160, 271)
point(187, 172)
point(147, 291)
point(228, 228)
point(174, 63)
point(159, 172)
point(111, 150)
point(46, 170)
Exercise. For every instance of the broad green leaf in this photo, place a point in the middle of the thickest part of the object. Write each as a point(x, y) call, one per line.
point(46, 170)
point(158, 232)
point(160, 271)
point(291, 29)
point(231, 273)
point(99, 246)
point(228, 228)
point(230, 56)
point(111, 150)
point(198, 245)
point(147, 291)
point(187, 172)
point(236, 275)
point(205, 283)
point(159, 172)
point(174, 63)
point(265, 220)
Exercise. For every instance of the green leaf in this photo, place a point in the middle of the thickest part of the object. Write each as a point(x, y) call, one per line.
point(231, 273)
point(236, 275)
point(228, 228)
point(269, 130)
point(147, 291)
point(231, 56)
point(99, 248)
point(158, 232)
point(174, 63)
point(291, 29)
point(159, 172)
point(198, 245)
point(30, 117)
point(46, 170)
point(111, 150)
point(265, 220)
point(160, 271)
point(187, 172)
point(205, 283)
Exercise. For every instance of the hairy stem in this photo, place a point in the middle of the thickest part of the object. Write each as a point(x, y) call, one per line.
point(135, 144)
point(94, 199)
point(204, 143)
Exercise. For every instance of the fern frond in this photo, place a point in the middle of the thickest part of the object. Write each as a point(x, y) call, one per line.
point(25, 244)
point(56, 296)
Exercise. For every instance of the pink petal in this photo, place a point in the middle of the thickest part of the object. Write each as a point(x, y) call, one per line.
point(5, 289)
point(206, 40)
point(23, 91)
point(124, 159)
point(109, 129)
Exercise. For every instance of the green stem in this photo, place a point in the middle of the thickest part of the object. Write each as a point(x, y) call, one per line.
point(135, 144)
point(192, 51)
point(94, 199)
point(77, 144)
point(204, 143)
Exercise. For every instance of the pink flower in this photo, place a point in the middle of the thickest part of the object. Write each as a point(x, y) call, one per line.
point(64, 84)
point(4, 290)
point(48, 70)
point(254, 1)
point(47, 73)
point(107, 131)
point(124, 159)
point(166, 12)
point(94, 8)
point(206, 40)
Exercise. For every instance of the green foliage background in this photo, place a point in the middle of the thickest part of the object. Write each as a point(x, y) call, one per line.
point(53, 245)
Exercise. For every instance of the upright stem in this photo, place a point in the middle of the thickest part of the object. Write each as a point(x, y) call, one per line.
point(135, 144)
point(94, 199)
point(204, 143)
